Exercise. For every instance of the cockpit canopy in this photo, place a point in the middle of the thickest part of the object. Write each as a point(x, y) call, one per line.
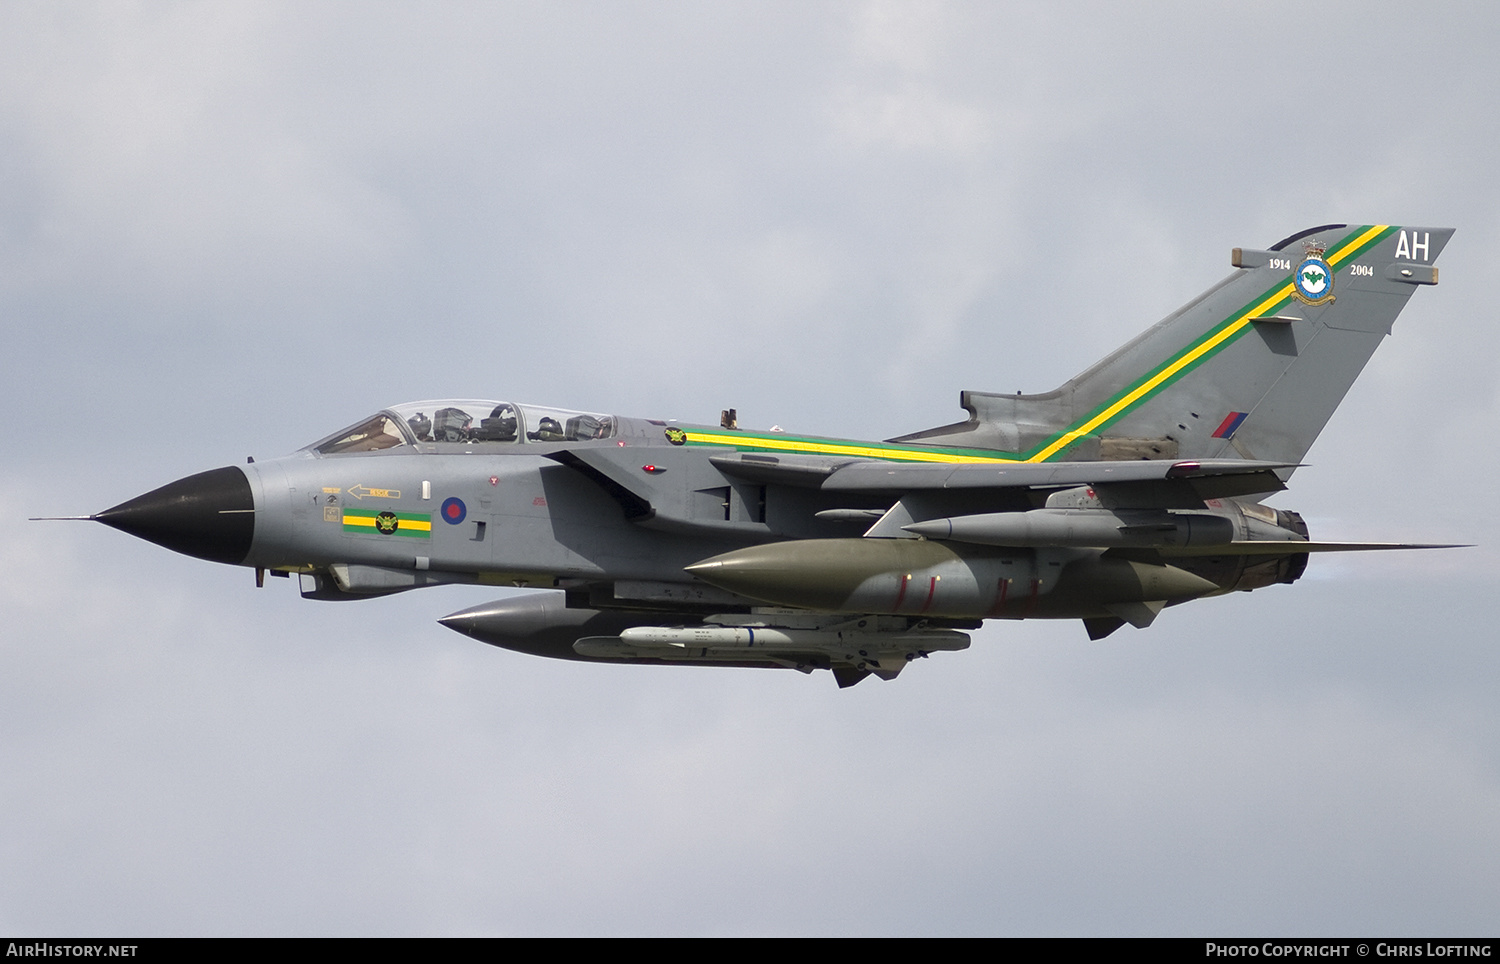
point(465, 421)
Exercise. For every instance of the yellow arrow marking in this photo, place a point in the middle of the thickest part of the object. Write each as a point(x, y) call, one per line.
point(360, 491)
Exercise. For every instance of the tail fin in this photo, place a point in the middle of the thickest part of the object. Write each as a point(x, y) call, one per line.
point(1253, 368)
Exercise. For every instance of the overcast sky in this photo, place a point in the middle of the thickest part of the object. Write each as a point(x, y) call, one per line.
point(229, 229)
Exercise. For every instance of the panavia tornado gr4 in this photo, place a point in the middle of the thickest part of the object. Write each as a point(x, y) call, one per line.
point(1135, 486)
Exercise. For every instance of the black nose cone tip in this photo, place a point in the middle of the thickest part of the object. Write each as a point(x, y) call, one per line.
point(210, 515)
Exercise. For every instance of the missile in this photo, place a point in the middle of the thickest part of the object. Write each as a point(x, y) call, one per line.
point(776, 637)
point(856, 646)
point(1100, 528)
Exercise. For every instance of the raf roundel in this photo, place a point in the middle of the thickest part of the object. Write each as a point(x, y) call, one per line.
point(453, 511)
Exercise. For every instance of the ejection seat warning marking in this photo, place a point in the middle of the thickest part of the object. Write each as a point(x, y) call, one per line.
point(360, 491)
point(415, 525)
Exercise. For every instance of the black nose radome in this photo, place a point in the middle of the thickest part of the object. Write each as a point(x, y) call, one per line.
point(210, 515)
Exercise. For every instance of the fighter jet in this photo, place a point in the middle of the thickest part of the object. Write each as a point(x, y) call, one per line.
point(1135, 486)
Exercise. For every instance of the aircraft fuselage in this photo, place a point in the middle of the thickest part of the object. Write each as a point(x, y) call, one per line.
point(1135, 486)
